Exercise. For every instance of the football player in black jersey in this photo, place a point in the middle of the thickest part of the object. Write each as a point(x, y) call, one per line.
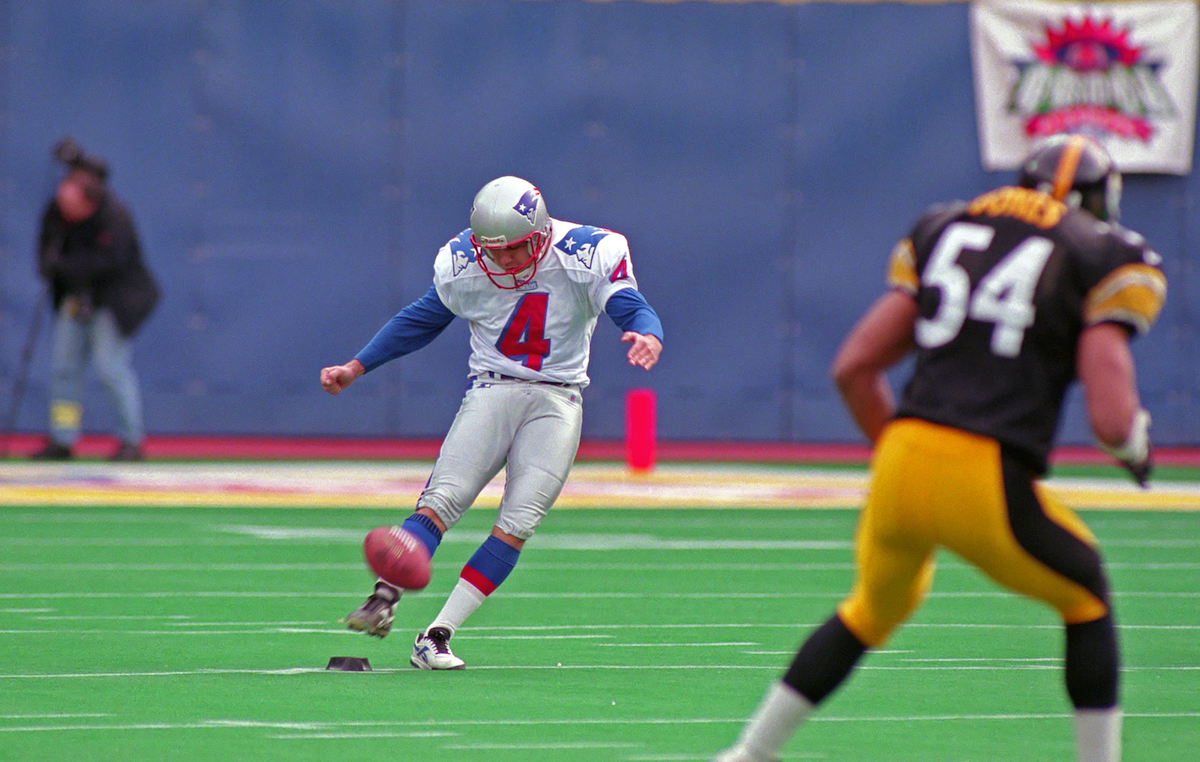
point(1004, 301)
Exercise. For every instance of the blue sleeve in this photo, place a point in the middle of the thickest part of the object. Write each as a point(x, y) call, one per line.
point(412, 328)
point(631, 312)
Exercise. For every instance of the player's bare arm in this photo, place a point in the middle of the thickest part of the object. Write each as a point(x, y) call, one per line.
point(882, 337)
point(335, 378)
point(1105, 368)
point(644, 349)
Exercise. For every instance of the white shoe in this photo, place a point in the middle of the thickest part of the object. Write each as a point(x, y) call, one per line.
point(432, 651)
point(741, 753)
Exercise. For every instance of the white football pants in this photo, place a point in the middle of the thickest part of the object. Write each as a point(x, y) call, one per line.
point(532, 427)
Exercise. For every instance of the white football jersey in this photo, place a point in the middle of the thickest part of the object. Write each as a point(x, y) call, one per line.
point(541, 331)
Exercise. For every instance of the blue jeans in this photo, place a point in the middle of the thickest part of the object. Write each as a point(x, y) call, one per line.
point(97, 339)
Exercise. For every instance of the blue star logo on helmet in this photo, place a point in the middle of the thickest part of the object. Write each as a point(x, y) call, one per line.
point(527, 206)
point(462, 253)
point(581, 243)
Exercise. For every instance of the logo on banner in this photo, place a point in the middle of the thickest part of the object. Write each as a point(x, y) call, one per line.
point(1088, 77)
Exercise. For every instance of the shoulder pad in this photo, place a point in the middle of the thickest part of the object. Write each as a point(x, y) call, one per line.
point(580, 243)
point(1137, 240)
point(936, 217)
point(462, 252)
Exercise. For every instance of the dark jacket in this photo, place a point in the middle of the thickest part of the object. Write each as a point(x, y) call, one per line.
point(98, 261)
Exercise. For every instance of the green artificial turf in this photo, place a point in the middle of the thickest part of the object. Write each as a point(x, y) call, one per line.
point(152, 633)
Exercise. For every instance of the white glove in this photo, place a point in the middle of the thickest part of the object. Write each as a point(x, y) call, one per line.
point(1134, 453)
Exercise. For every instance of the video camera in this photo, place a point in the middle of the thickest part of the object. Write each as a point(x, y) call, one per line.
point(69, 153)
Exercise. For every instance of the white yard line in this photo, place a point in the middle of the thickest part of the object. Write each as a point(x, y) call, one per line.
point(328, 726)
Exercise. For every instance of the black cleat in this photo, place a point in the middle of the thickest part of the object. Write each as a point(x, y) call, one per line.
point(128, 453)
point(375, 616)
point(52, 451)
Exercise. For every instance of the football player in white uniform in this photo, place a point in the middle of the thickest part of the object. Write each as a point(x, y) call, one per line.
point(531, 288)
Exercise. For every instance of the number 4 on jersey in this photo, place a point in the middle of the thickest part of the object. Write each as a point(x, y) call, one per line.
point(621, 272)
point(524, 338)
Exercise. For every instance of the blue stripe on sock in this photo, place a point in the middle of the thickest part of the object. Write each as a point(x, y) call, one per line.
point(423, 528)
point(495, 559)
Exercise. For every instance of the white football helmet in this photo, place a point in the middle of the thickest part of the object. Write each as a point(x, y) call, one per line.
point(506, 212)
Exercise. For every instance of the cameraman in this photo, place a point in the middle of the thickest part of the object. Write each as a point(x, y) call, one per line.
point(89, 255)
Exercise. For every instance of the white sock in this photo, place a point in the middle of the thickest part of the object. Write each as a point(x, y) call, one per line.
point(463, 601)
point(1098, 734)
point(775, 721)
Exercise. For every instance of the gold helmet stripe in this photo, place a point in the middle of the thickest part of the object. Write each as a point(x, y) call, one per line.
point(1068, 163)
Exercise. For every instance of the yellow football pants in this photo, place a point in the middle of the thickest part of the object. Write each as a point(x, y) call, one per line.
point(934, 486)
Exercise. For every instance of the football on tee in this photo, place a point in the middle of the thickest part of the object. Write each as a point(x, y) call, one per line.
point(397, 557)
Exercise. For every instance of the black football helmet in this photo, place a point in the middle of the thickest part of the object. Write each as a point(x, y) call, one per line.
point(1076, 170)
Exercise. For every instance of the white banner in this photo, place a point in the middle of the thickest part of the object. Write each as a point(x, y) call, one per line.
point(1123, 72)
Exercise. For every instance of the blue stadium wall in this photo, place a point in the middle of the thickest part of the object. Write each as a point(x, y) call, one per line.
point(293, 168)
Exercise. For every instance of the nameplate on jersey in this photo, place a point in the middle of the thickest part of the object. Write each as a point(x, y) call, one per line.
point(581, 243)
